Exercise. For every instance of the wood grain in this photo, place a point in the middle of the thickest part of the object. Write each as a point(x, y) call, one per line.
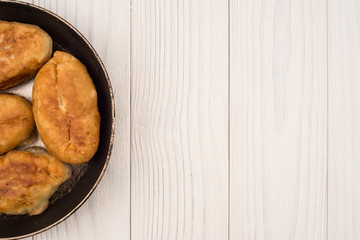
point(179, 103)
point(106, 214)
point(344, 120)
point(241, 121)
point(278, 119)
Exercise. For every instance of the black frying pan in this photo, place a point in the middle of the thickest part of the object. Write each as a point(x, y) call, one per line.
point(66, 200)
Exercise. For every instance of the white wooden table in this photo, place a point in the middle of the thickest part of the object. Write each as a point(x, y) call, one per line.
point(235, 119)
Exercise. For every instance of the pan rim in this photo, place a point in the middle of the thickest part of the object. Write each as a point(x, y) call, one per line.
point(112, 99)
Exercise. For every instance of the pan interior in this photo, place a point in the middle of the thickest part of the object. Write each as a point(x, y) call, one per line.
point(85, 177)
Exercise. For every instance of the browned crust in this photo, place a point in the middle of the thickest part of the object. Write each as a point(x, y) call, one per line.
point(28, 180)
point(24, 48)
point(65, 109)
point(16, 121)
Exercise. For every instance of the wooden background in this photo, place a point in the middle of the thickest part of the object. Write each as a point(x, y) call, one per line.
point(236, 119)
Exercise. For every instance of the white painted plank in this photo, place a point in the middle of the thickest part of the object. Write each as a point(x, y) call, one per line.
point(278, 119)
point(106, 214)
point(179, 146)
point(344, 120)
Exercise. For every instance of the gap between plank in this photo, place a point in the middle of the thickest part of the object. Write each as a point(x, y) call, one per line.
point(131, 113)
point(229, 116)
point(327, 121)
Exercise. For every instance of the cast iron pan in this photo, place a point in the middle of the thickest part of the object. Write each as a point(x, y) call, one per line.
point(86, 177)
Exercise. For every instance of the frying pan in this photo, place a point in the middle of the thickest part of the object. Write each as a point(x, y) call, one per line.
point(86, 177)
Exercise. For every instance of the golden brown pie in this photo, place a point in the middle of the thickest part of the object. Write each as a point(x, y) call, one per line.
point(27, 181)
point(65, 109)
point(16, 121)
point(24, 48)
